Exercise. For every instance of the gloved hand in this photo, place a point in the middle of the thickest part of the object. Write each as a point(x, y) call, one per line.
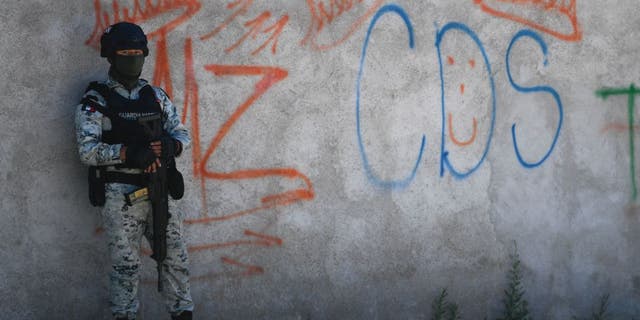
point(139, 156)
point(167, 147)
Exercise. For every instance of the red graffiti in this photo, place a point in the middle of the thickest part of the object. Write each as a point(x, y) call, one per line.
point(255, 27)
point(203, 155)
point(262, 241)
point(269, 76)
point(139, 14)
point(243, 6)
point(324, 14)
point(519, 11)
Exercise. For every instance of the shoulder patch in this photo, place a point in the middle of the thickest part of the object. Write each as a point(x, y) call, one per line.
point(88, 108)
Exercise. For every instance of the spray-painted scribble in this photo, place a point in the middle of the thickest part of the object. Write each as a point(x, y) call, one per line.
point(139, 13)
point(631, 92)
point(534, 89)
point(516, 10)
point(401, 183)
point(255, 27)
point(323, 14)
point(241, 6)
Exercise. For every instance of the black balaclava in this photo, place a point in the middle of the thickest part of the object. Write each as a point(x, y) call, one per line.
point(126, 69)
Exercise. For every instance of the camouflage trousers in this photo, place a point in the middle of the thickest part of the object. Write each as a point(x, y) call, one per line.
point(124, 227)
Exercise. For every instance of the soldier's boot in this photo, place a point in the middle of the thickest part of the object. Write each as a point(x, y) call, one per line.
point(184, 315)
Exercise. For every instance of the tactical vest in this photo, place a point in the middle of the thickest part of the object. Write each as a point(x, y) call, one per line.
point(124, 113)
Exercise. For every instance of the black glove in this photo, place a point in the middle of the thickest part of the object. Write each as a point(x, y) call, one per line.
point(170, 147)
point(138, 156)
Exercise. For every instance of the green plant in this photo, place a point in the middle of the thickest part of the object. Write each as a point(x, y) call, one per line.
point(601, 314)
point(515, 306)
point(443, 309)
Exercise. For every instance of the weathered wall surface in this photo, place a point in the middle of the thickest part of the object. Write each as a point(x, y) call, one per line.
point(350, 158)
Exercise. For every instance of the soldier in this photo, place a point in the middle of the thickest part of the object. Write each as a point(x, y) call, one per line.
point(109, 141)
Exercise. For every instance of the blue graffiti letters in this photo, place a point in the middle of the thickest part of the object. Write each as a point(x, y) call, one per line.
point(389, 184)
point(459, 171)
point(444, 157)
point(551, 91)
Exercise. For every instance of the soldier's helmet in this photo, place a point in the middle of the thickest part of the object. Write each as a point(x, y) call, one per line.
point(122, 36)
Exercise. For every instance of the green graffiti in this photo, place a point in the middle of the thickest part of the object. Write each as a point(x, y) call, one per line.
point(631, 92)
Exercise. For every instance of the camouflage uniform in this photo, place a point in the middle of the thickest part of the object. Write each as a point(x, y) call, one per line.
point(125, 225)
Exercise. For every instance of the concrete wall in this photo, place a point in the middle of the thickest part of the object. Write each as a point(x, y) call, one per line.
point(380, 142)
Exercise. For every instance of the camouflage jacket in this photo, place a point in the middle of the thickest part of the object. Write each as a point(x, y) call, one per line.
point(90, 122)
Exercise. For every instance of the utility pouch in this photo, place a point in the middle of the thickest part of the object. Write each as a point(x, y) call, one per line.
point(137, 196)
point(96, 186)
point(175, 183)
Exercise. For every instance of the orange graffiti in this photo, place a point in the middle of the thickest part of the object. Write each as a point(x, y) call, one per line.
point(251, 269)
point(162, 72)
point(453, 137)
point(515, 10)
point(264, 241)
point(450, 60)
point(255, 27)
point(321, 16)
point(241, 10)
point(145, 10)
point(141, 14)
point(270, 76)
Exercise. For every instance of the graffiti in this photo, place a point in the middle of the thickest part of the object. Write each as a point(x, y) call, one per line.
point(445, 162)
point(549, 90)
point(445, 153)
point(263, 241)
point(631, 92)
point(141, 13)
point(453, 137)
point(472, 64)
point(270, 76)
point(255, 27)
point(520, 10)
point(323, 15)
point(401, 183)
point(451, 61)
point(243, 6)
point(204, 155)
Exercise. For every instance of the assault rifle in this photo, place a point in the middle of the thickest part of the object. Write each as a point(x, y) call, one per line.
point(158, 194)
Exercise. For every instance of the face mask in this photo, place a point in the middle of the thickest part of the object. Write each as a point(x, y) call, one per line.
point(128, 67)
